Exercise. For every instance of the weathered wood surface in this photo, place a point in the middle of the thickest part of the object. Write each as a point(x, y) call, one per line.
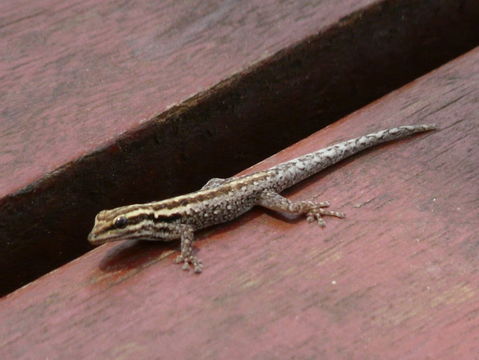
point(76, 75)
point(396, 279)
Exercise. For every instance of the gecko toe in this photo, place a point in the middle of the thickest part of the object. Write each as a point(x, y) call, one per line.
point(197, 264)
point(332, 213)
point(198, 268)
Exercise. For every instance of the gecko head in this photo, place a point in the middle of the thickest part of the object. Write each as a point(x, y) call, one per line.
point(132, 223)
point(110, 225)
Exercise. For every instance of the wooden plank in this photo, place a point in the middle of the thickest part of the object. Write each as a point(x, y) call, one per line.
point(181, 80)
point(396, 279)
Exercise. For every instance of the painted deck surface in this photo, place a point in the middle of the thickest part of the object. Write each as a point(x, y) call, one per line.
point(396, 279)
point(110, 103)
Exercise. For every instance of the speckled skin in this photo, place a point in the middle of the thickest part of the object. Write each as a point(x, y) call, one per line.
point(221, 200)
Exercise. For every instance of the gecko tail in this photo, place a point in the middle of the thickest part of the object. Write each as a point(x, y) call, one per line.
point(296, 170)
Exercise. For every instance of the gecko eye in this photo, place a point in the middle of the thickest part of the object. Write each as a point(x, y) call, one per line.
point(120, 222)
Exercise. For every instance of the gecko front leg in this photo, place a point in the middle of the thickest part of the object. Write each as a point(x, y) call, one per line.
point(313, 211)
point(186, 257)
point(212, 183)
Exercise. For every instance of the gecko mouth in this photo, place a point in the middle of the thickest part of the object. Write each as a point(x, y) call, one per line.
point(96, 239)
point(92, 239)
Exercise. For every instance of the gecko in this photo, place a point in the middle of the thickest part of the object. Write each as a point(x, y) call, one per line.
point(222, 200)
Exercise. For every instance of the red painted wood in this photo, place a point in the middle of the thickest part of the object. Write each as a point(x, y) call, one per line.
point(396, 279)
point(109, 103)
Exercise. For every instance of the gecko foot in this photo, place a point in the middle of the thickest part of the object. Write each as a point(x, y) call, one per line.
point(316, 211)
point(191, 259)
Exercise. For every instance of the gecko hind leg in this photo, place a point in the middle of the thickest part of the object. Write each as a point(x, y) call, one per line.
point(314, 211)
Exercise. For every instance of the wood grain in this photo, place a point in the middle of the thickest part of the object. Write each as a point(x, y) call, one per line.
point(110, 103)
point(396, 279)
